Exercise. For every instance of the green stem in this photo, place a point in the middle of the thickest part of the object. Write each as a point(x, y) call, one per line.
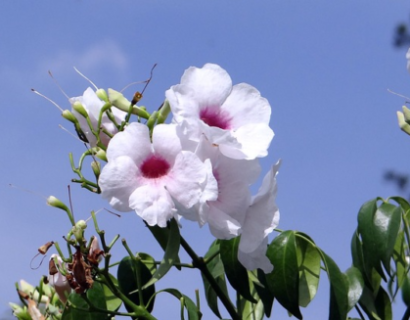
point(199, 263)
point(406, 315)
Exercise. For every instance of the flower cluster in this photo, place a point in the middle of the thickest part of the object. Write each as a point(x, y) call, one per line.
point(200, 166)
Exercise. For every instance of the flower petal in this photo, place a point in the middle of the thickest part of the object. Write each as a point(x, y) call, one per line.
point(153, 204)
point(256, 259)
point(118, 180)
point(134, 142)
point(262, 215)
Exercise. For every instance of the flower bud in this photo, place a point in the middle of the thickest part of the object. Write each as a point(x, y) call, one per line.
point(404, 126)
point(77, 106)
point(122, 103)
point(78, 230)
point(96, 166)
point(102, 155)
point(54, 202)
point(68, 115)
point(102, 94)
point(406, 113)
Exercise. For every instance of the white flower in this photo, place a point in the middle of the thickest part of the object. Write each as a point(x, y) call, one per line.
point(236, 118)
point(146, 176)
point(93, 104)
point(262, 217)
point(225, 213)
point(57, 280)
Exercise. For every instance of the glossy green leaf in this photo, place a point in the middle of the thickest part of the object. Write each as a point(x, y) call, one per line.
point(235, 272)
point(170, 255)
point(368, 304)
point(338, 290)
point(404, 204)
point(284, 279)
point(387, 220)
point(369, 231)
point(357, 253)
point(217, 271)
point(113, 303)
point(193, 311)
point(383, 305)
point(399, 257)
point(264, 293)
point(356, 283)
point(405, 291)
point(128, 283)
point(309, 268)
point(96, 295)
point(249, 310)
point(162, 235)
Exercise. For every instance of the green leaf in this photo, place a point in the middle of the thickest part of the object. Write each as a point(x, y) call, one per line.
point(170, 255)
point(356, 284)
point(405, 291)
point(193, 312)
point(309, 268)
point(128, 282)
point(368, 305)
point(371, 237)
point(383, 305)
point(264, 293)
point(113, 303)
point(162, 235)
point(284, 279)
point(217, 271)
point(234, 270)
point(96, 295)
point(249, 310)
point(338, 290)
point(357, 253)
point(399, 257)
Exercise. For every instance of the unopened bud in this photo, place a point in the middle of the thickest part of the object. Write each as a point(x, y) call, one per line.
point(122, 103)
point(96, 166)
point(404, 126)
point(102, 155)
point(54, 202)
point(406, 113)
point(68, 115)
point(77, 106)
point(102, 94)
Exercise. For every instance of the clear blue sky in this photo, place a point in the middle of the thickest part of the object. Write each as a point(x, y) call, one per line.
point(325, 67)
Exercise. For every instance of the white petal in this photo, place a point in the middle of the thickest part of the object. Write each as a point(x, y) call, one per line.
point(153, 204)
point(408, 60)
point(221, 225)
point(256, 259)
point(211, 84)
point(245, 105)
point(166, 142)
point(134, 142)
point(184, 181)
point(262, 215)
point(118, 180)
point(254, 140)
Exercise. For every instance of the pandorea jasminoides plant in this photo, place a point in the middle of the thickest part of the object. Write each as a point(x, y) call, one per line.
point(200, 167)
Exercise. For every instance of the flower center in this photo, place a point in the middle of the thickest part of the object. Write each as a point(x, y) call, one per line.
point(154, 167)
point(215, 118)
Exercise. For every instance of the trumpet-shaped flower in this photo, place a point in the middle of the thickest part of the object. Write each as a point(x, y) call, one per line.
point(225, 214)
point(261, 218)
point(146, 176)
point(236, 118)
point(93, 105)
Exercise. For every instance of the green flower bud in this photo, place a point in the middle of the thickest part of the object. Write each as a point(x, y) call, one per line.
point(78, 230)
point(102, 94)
point(67, 114)
point(96, 166)
point(406, 113)
point(77, 106)
point(404, 126)
point(102, 155)
point(54, 202)
point(122, 103)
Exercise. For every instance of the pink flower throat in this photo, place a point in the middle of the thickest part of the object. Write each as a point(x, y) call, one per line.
point(154, 167)
point(215, 117)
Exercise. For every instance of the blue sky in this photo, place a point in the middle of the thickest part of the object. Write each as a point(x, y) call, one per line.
point(324, 66)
